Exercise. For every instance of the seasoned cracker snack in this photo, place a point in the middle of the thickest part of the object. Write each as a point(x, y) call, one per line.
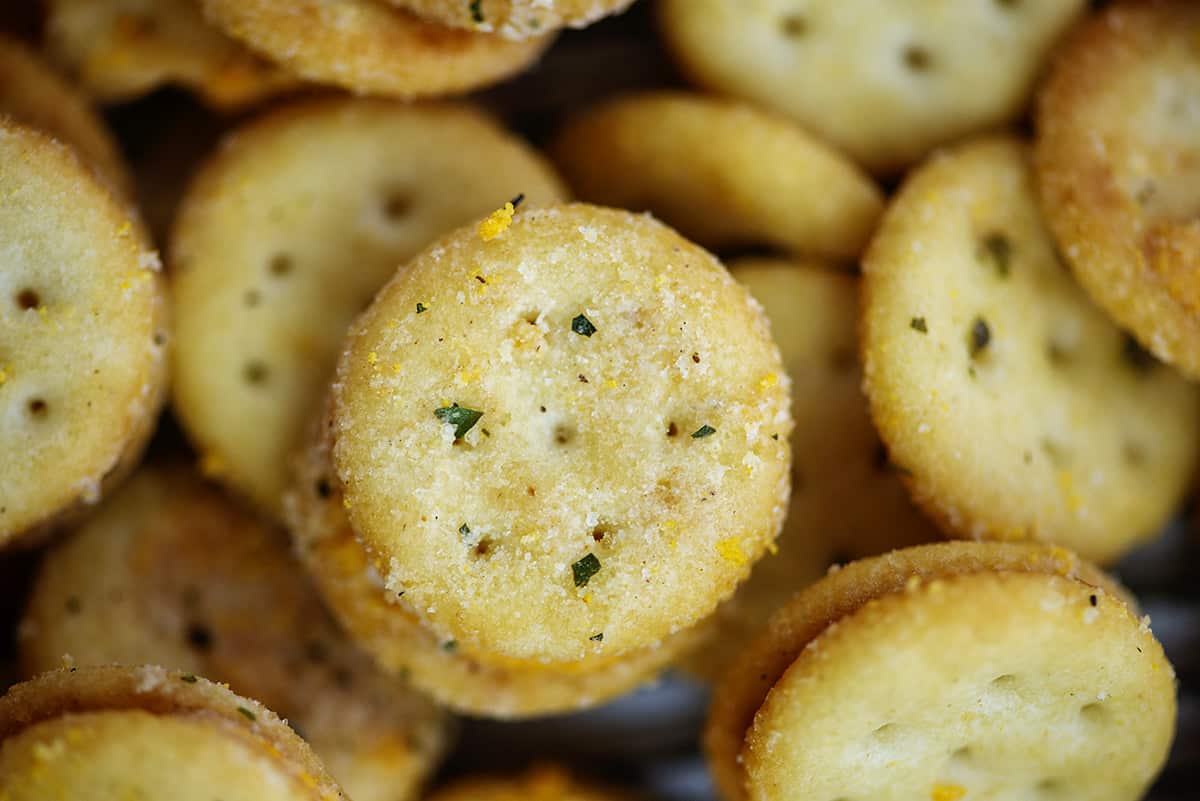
point(957, 670)
point(514, 19)
point(1016, 408)
point(369, 47)
point(540, 783)
point(84, 335)
point(32, 94)
point(1118, 165)
point(102, 733)
point(169, 572)
point(724, 173)
point(389, 628)
point(884, 81)
point(288, 232)
point(562, 434)
point(847, 500)
point(122, 49)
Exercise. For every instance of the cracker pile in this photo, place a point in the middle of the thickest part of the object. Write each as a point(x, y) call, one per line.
point(822, 383)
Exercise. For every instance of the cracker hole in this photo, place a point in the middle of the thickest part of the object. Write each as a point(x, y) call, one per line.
point(255, 373)
point(599, 533)
point(1092, 712)
point(38, 408)
point(672, 429)
point(281, 265)
point(793, 26)
point(252, 298)
point(563, 434)
point(397, 205)
point(483, 547)
point(27, 299)
point(842, 360)
point(1006, 681)
point(1134, 454)
point(160, 338)
point(695, 357)
point(917, 59)
point(995, 251)
point(961, 755)
point(531, 317)
point(1056, 453)
point(1059, 354)
point(199, 637)
point(979, 337)
point(1049, 786)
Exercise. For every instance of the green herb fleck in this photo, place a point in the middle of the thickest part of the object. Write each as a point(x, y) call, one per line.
point(918, 324)
point(998, 250)
point(703, 431)
point(476, 7)
point(464, 530)
point(583, 326)
point(189, 678)
point(981, 336)
point(584, 569)
point(597, 637)
point(450, 646)
point(421, 308)
point(246, 713)
point(462, 418)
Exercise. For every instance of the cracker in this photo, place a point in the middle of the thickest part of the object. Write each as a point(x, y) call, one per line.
point(758, 668)
point(1018, 410)
point(1118, 164)
point(631, 460)
point(724, 173)
point(1026, 684)
point(885, 82)
point(82, 359)
point(539, 783)
point(277, 246)
point(100, 733)
point(847, 500)
point(169, 572)
point(370, 48)
point(388, 628)
point(514, 19)
point(122, 49)
point(32, 94)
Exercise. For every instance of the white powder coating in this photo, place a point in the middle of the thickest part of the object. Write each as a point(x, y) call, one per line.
point(572, 426)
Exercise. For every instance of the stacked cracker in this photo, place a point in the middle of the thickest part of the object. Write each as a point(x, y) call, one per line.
point(532, 453)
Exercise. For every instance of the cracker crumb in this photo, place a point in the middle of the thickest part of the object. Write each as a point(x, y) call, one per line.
point(731, 551)
point(947, 792)
point(497, 222)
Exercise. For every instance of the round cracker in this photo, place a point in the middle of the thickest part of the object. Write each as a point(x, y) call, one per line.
point(631, 461)
point(757, 668)
point(847, 500)
point(277, 246)
point(1118, 164)
point(540, 783)
point(723, 173)
point(1021, 685)
point(122, 49)
point(82, 362)
point(884, 82)
point(388, 628)
point(33, 95)
point(168, 572)
point(1016, 407)
point(514, 19)
point(367, 47)
point(116, 731)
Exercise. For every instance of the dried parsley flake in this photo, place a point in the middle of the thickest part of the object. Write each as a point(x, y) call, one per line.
point(583, 326)
point(703, 431)
point(584, 569)
point(462, 418)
